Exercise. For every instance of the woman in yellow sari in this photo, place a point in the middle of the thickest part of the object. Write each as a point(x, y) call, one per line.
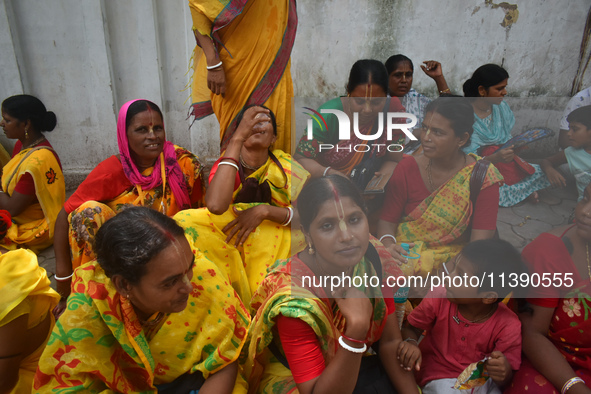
point(149, 171)
point(429, 201)
point(246, 225)
point(242, 58)
point(152, 314)
point(26, 301)
point(310, 337)
point(33, 187)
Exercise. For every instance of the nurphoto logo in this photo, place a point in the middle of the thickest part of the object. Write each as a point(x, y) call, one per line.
point(393, 120)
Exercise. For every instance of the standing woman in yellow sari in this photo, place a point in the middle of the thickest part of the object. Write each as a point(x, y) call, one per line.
point(26, 301)
point(149, 171)
point(428, 199)
point(33, 187)
point(246, 225)
point(242, 58)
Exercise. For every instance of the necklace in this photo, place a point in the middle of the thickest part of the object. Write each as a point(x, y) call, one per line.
point(458, 320)
point(588, 264)
point(37, 141)
point(247, 166)
point(429, 176)
point(153, 322)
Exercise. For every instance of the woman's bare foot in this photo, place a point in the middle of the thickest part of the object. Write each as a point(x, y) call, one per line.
point(534, 198)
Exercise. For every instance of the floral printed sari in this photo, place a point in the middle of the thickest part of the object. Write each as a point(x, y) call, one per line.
point(571, 322)
point(99, 346)
point(437, 224)
point(107, 190)
point(283, 292)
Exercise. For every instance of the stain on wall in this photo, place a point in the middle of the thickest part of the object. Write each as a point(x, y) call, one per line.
point(511, 12)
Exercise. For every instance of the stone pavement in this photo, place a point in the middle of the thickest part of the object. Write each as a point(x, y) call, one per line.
point(519, 224)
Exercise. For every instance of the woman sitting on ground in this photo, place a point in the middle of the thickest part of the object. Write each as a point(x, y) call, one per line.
point(493, 122)
point(246, 225)
point(367, 89)
point(556, 324)
point(152, 314)
point(149, 171)
point(400, 77)
point(309, 338)
point(26, 301)
point(33, 185)
point(429, 200)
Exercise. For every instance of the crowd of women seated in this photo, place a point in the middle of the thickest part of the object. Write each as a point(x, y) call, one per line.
point(164, 286)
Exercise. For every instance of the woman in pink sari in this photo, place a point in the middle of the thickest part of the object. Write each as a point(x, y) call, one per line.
point(149, 171)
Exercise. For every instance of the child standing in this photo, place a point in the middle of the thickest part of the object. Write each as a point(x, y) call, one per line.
point(466, 324)
point(578, 155)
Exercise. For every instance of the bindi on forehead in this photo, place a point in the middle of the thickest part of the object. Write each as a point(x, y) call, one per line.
point(151, 112)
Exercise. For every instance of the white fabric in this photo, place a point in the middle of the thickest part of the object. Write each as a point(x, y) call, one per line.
point(579, 100)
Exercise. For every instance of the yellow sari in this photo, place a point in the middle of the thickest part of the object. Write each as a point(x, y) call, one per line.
point(99, 346)
point(24, 290)
point(436, 226)
point(33, 228)
point(246, 265)
point(254, 41)
point(285, 292)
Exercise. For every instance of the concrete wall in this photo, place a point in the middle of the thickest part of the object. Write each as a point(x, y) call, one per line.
point(84, 58)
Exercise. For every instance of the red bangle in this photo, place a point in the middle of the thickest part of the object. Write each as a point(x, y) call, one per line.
point(230, 158)
point(353, 340)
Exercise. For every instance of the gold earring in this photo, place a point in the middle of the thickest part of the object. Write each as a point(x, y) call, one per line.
point(26, 133)
point(311, 250)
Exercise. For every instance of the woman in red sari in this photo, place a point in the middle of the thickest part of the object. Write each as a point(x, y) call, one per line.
point(556, 340)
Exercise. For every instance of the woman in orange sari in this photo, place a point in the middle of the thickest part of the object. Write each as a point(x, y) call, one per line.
point(149, 171)
point(243, 58)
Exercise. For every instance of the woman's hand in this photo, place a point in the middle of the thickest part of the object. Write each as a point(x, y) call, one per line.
point(432, 68)
point(245, 223)
point(216, 80)
point(409, 355)
point(502, 155)
point(251, 117)
point(60, 308)
point(357, 310)
point(398, 252)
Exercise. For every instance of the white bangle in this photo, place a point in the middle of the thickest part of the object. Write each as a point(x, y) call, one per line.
point(215, 66)
point(352, 349)
point(289, 217)
point(388, 236)
point(325, 171)
point(59, 279)
point(228, 163)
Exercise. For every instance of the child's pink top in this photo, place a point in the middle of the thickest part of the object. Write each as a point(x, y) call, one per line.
point(448, 347)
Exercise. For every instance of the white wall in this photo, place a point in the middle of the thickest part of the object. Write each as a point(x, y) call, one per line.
point(85, 58)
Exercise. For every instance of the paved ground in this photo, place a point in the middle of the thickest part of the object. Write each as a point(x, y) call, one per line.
point(519, 224)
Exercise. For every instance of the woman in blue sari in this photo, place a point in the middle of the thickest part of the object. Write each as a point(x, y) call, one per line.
point(493, 121)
